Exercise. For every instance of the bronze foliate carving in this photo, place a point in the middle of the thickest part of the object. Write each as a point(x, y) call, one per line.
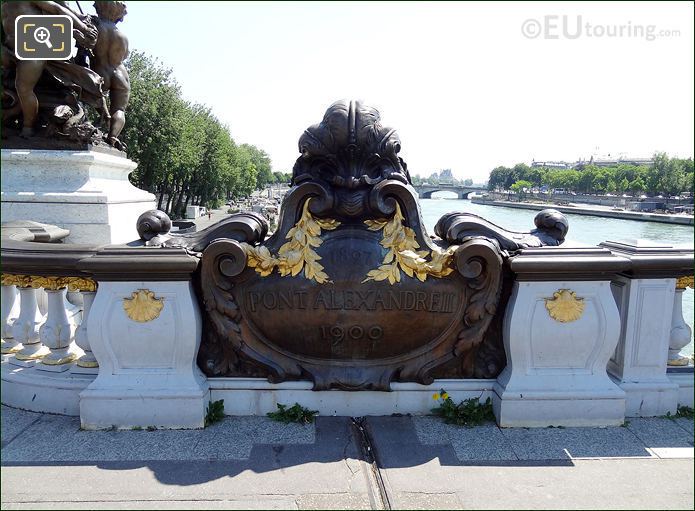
point(368, 313)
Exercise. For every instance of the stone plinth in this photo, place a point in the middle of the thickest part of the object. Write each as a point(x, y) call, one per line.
point(639, 361)
point(145, 336)
point(561, 327)
point(87, 192)
point(645, 295)
point(556, 370)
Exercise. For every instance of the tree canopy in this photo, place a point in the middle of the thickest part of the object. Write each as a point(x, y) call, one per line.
point(669, 176)
point(185, 154)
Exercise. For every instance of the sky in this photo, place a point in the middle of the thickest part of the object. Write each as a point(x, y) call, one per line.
point(468, 86)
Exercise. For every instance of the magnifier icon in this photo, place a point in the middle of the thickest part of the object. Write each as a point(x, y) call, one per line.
point(43, 36)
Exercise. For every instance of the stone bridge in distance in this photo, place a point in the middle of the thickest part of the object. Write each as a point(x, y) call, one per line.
point(426, 191)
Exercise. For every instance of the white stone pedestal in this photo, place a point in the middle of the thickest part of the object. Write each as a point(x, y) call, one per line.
point(87, 192)
point(639, 361)
point(556, 371)
point(147, 369)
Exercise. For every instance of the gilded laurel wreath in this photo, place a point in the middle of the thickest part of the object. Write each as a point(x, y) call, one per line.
point(142, 306)
point(298, 253)
point(403, 254)
point(564, 306)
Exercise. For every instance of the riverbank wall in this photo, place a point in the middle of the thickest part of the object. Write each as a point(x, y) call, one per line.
point(589, 211)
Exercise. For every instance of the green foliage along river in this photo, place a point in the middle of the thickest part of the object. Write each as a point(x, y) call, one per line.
point(583, 229)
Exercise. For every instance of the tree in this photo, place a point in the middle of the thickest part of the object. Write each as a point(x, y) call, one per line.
point(667, 175)
point(153, 128)
point(673, 180)
point(538, 176)
point(520, 187)
point(282, 178)
point(522, 172)
point(500, 178)
point(624, 185)
point(261, 160)
point(185, 154)
point(467, 182)
point(637, 186)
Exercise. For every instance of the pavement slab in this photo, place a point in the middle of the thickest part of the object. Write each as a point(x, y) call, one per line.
point(14, 421)
point(269, 504)
point(663, 437)
point(59, 438)
point(478, 443)
point(687, 424)
point(417, 463)
point(570, 443)
point(227, 465)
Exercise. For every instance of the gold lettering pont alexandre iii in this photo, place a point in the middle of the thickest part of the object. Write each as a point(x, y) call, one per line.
point(564, 306)
point(354, 300)
point(402, 253)
point(298, 253)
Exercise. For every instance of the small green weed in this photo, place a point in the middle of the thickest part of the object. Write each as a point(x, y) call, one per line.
point(296, 413)
point(136, 428)
point(215, 412)
point(685, 411)
point(681, 411)
point(470, 412)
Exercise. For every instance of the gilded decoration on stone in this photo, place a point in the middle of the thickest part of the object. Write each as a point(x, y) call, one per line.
point(20, 280)
point(34, 281)
point(68, 359)
point(403, 255)
point(9, 280)
point(297, 254)
point(50, 283)
point(42, 352)
point(81, 284)
point(685, 282)
point(564, 306)
point(9, 350)
point(88, 363)
point(143, 306)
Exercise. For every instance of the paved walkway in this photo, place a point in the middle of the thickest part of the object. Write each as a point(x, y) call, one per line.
point(217, 215)
point(339, 462)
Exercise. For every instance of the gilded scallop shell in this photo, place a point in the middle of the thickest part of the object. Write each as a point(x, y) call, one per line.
point(143, 306)
point(564, 306)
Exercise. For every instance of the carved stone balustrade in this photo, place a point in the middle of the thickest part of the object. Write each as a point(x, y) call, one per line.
point(349, 307)
point(560, 329)
point(10, 312)
point(144, 328)
point(34, 272)
point(681, 333)
point(646, 297)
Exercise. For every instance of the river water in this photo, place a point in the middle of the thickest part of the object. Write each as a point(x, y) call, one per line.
point(583, 229)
